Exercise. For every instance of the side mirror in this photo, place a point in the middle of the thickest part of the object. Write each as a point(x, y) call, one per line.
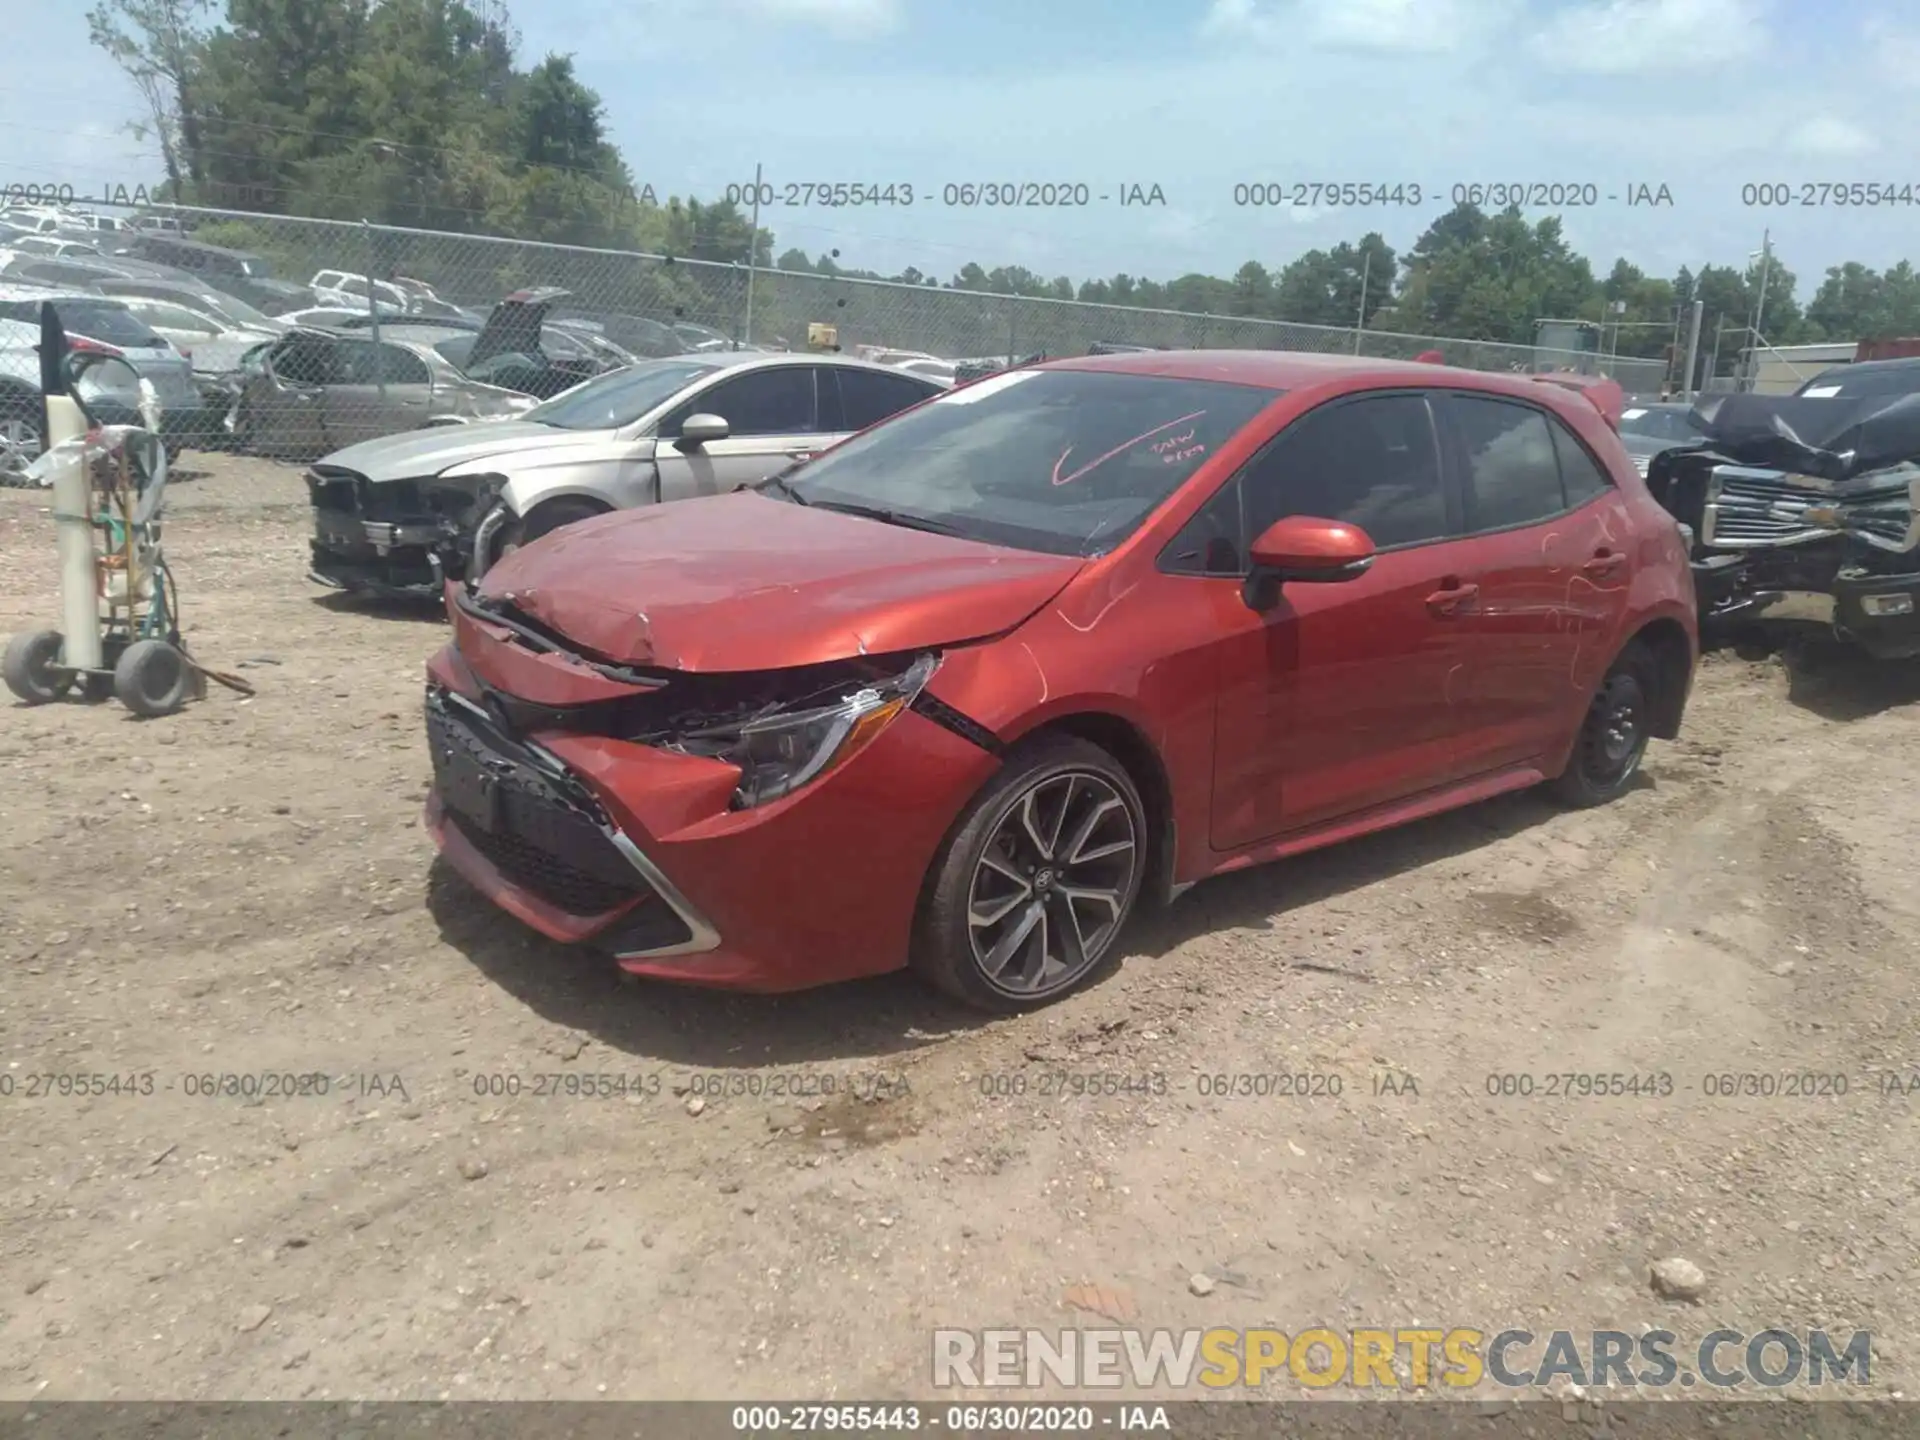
point(1305, 549)
point(700, 429)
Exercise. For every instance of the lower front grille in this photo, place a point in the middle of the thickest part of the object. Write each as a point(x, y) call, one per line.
point(546, 875)
point(530, 825)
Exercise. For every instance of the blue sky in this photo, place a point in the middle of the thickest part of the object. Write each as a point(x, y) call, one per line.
point(1195, 96)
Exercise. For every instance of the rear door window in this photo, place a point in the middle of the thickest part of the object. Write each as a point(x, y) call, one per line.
point(867, 398)
point(1512, 468)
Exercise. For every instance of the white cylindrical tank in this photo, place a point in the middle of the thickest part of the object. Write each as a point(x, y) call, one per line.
point(73, 521)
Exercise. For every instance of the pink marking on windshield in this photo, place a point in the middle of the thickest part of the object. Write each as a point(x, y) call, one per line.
point(1060, 479)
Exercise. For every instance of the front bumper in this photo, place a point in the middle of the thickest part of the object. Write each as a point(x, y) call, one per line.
point(384, 539)
point(1880, 613)
point(646, 860)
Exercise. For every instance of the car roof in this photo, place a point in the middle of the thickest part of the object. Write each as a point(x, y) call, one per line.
point(202, 247)
point(1871, 367)
point(59, 296)
point(775, 359)
point(1296, 369)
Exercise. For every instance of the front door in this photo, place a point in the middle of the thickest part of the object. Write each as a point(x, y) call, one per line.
point(773, 419)
point(1346, 696)
point(283, 410)
point(1547, 546)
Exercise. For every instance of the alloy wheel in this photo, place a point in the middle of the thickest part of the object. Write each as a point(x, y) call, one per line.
point(1052, 885)
point(19, 448)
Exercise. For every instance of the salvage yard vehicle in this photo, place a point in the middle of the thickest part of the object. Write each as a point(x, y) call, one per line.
point(1804, 513)
point(968, 689)
point(97, 325)
point(403, 514)
point(1647, 429)
point(315, 390)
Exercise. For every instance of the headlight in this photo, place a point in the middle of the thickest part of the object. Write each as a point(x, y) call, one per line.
point(777, 754)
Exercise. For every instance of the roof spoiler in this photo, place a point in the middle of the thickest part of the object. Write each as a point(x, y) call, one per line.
point(1602, 392)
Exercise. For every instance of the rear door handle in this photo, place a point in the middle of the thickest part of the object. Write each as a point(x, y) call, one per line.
point(1605, 562)
point(1452, 597)
point(800, 454)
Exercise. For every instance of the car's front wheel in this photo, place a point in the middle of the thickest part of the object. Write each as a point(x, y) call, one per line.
point(543, 520)
point(1613, 734)
point(19, 435)
point(1037, 880)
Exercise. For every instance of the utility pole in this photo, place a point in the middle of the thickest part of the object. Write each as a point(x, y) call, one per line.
point(1758, 312)
point(753, 255)
point(1760, 300)
point(1688, 386)
point(1360, 321)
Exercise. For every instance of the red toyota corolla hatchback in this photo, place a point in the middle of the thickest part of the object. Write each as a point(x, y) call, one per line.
point(964, 691)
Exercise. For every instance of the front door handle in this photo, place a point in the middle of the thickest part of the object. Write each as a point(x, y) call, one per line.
point(1605, 562)
point(1452, 597)
point(800, 454)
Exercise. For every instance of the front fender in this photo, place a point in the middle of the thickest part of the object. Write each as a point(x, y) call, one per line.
point(622, 489)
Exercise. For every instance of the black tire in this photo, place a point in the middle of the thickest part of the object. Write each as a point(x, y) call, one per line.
point(954, 942)
point(33, 670)
point(543, 520)
point(1613, 734)
point(152, 678)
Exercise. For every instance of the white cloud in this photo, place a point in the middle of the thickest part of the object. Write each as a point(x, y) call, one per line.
point(1827, 137)
point(848, 18)
point(1629, 37)
point(1896, 51)
point(845, 16)
point(1412, 27)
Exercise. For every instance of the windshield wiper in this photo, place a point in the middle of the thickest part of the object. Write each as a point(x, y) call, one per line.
point(889, 517)
point(782, 484)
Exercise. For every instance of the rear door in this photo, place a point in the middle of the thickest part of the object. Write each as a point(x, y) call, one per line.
point(1346, 696)
point(1547, 548)
point(382, 389)
point(773, 419)
point(853, 399)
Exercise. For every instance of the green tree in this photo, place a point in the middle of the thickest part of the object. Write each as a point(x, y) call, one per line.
point(158, 44)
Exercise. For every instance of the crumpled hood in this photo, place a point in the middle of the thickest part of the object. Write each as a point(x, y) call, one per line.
point(743, 582)
point(414, 453)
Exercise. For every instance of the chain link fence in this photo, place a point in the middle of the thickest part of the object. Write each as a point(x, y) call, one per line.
point(422, 294)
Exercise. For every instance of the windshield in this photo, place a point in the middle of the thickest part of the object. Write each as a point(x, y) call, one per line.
point(619, 397)
point(1839, 385)
point(234, 309)
point(101, 320)
point(1658, 422)
point(1067, 462)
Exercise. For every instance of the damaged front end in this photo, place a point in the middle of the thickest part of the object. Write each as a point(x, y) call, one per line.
point(642, 811)
point(1803, 512)
point(396, 537)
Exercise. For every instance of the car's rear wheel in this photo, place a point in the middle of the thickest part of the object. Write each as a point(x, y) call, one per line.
point(1613, 734)
point(1037, 880)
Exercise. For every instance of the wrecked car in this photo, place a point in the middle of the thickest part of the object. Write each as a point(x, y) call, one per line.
point(1803, 513)
point(965, 691)
point(402, 514)
point(314, 390)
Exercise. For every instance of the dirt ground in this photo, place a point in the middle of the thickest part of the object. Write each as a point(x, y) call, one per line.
point(245, 889)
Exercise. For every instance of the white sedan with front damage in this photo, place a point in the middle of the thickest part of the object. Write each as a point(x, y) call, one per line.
point(405, 513)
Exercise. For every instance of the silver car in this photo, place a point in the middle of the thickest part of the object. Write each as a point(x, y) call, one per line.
point(402, 514)
point(95, 322)
point(312, 390)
